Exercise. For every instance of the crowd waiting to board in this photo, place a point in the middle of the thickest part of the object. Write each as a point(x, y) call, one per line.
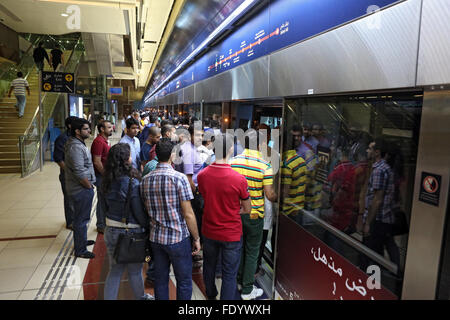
point(209, 199)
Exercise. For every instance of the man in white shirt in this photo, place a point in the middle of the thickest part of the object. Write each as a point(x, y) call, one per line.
point(19, 85)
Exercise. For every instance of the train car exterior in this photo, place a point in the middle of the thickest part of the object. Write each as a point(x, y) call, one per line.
point(386, 75)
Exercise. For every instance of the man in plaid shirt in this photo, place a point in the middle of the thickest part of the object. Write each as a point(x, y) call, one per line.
point(167, 197)
point(379, 217)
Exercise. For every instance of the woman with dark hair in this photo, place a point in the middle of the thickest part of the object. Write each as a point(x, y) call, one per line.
point(116, 188)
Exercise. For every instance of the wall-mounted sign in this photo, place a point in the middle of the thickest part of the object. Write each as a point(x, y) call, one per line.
point(430, 188)
point(58, 82)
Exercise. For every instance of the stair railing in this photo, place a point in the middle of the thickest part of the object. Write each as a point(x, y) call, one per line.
point(29, 143)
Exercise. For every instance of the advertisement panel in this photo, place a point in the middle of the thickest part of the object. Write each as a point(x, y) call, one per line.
point(307, 269)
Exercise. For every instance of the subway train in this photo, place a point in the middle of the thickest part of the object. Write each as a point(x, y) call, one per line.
point(343, 79)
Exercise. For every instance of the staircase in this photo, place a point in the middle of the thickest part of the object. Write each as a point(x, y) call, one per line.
point(11, 127)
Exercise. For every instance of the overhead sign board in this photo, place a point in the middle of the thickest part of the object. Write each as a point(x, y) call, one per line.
point(116, 91)
point(58, 82)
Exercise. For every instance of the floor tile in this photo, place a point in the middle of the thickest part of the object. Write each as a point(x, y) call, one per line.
point(31, 243)
point(7, 223)
point(15, 279)
point(39, 276)
point(10, 295)
point(23, 257)
point(3, 244)
point(34, 204)
point(36, 232)
point(18, 213)
point(28, 295)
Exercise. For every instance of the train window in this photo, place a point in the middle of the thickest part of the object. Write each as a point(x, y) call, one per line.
point(353, 185)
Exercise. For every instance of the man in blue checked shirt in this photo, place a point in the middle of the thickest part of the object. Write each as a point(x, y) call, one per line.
point(167, 197)
point(378, 219)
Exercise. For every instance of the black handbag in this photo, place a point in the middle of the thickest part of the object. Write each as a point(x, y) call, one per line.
point(132, 247)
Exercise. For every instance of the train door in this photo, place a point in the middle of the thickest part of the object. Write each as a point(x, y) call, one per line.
point(339, 153)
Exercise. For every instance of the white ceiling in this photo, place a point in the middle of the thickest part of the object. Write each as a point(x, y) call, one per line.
point(44, 17)
point(114, 17)
point(156, 13)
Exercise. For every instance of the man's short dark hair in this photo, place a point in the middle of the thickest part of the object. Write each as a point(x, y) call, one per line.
point(101, 124)
point(296, 128)
point(153, 119)
point(130, 122)
point(207, 122)
point(164, 149)
point(20, 74)
point(165, 129)
point(214, 124)
point(251, 139)
point(222, 143)
point(380, 144)
point(192, 129)
point(166, 122)
point(69, 120)
point(77, 123)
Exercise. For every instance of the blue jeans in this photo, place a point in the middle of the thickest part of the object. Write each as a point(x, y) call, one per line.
point(180, 255)
point(68, 206)
point(230, 254)
point(21, 102)
point(116, 270)
point(82, 205)
point(100, 212)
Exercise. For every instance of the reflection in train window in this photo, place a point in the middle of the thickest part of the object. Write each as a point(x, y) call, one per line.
point(348, 169)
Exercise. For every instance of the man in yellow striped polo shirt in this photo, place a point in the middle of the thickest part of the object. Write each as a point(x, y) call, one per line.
point(293, 176)
point(293, 179)
point(259, 175)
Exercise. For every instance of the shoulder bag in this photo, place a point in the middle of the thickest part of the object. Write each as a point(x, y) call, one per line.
point(132, 247)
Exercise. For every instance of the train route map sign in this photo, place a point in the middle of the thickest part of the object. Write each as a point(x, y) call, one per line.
point(58, 82)
point(430, 188)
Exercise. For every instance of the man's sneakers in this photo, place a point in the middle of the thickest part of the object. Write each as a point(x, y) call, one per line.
point(256, 292)
point(90, 243)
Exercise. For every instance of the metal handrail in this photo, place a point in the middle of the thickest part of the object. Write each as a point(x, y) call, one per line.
point(353, 243)
point(43, 125)
point(45, 94)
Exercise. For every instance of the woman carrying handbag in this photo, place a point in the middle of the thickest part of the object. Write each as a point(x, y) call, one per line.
point(125, 218)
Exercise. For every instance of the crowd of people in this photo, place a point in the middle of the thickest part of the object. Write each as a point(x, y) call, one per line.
point(195, 191)
point(207, 199)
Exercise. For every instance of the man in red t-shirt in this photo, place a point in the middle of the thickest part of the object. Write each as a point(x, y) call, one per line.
point(99, 150)
point(226, 197)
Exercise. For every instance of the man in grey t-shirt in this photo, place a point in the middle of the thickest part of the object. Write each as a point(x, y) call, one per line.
point(80, 178)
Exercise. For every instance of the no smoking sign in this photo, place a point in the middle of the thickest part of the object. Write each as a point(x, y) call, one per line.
point(430, 188)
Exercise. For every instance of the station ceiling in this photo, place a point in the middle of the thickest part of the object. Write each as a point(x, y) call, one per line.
point(143, 22)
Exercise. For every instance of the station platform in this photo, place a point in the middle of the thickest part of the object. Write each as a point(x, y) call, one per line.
point(36, 250)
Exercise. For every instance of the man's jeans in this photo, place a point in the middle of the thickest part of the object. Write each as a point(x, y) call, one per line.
point(230, 254)
point(253, 232)
point(68, 206)
point(180, 255)
point(21, 102)
point(100, 212)
point(82, 203)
